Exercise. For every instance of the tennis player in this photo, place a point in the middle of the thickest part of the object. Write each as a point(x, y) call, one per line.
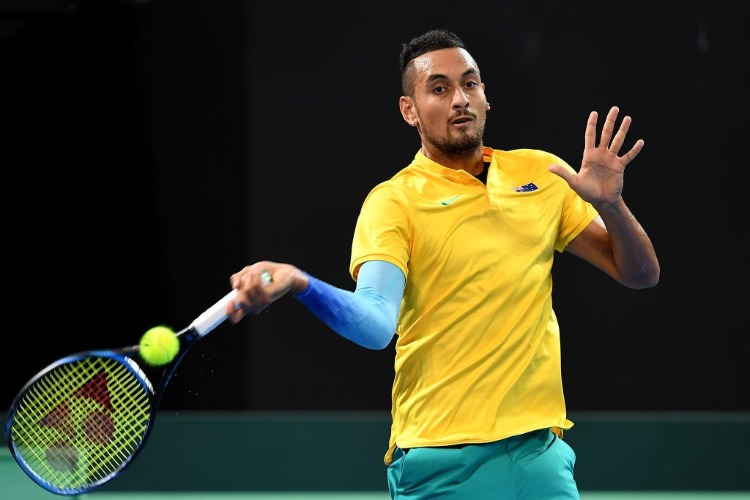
point(453, 255)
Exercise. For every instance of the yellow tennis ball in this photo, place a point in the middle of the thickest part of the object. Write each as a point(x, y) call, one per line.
point(159, 345)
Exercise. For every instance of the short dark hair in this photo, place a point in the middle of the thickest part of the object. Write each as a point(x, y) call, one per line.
point(429, 41)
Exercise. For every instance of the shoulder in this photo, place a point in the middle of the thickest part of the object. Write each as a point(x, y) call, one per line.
point(527, 163)
point(527, 155)
point(388, 192)
point(400, 183)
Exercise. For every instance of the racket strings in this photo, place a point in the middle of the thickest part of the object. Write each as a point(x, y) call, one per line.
point(81, 423)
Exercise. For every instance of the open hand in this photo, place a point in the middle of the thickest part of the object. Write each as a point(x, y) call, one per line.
point(600, 178)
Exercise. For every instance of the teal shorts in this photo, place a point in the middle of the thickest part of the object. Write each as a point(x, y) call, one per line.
point(533, 466)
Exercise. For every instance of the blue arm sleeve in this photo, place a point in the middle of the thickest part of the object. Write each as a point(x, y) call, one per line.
point(367, 316)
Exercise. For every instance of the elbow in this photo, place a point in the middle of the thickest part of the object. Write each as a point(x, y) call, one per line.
point(379, 333)
point(651, 278)
point(654, 278)
point(642, 285)
point(375, 338)
point(378, 343)
point(647, 278)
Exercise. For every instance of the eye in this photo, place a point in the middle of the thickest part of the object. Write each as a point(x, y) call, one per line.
point(472, 85)
point(439, 89)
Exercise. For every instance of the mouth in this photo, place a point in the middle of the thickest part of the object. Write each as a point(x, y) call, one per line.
point(462, 120)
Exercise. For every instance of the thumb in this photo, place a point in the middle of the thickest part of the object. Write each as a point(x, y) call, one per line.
point(562, 172)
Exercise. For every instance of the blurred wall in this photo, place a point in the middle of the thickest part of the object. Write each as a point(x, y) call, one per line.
point(152, 148)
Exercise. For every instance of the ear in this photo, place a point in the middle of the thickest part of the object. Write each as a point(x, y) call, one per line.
point(406, 104)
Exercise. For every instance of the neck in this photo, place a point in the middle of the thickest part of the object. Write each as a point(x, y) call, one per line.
point(471, 161)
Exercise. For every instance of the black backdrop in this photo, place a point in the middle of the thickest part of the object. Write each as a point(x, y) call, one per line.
point(152, 148)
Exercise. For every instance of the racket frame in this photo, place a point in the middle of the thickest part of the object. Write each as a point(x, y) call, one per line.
point(201, 326)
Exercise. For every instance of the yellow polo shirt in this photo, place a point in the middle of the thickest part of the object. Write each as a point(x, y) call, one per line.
point(478, 343)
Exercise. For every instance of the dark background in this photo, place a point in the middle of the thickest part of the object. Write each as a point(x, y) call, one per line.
point(152, 148)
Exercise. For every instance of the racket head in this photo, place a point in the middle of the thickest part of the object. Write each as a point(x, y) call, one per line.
point(80, 421)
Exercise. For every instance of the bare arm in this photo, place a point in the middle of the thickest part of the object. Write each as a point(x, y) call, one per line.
point(622, 249)
point(614, 242)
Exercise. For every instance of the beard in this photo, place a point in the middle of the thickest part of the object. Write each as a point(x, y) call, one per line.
point(456, 146)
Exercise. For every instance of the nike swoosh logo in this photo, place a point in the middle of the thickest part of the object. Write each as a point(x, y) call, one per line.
point(448, 201)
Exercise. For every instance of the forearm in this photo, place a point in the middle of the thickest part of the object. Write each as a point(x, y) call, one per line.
point(632, 251)
point(368, 316)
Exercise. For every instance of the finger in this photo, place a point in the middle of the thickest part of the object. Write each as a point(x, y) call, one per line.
point(589, 138)
point(265, 277)
point(619, 139)
point(562, 172)
point(235, 312)
point(630, 155)
point(235, 279)
point(609, 127)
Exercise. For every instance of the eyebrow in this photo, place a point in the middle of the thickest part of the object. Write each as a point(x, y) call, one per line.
point(440, 76)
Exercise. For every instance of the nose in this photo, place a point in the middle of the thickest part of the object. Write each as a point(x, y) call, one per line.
point(460, 99)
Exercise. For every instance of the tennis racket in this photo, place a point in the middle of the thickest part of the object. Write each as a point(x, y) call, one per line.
point(79, 422)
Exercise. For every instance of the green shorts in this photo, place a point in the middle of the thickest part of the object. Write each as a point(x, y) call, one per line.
point(533, 466)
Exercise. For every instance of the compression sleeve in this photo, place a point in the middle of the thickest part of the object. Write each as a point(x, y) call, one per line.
point(367, 316)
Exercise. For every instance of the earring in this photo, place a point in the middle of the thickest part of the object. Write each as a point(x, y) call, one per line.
point(488, 105)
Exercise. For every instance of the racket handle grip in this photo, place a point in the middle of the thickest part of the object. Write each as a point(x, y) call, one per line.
point(214, 315)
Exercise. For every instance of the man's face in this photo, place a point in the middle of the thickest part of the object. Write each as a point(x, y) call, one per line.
point(449, 100)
